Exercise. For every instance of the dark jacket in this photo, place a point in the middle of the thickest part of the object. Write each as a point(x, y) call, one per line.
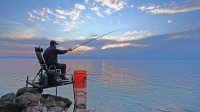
point(51, 55)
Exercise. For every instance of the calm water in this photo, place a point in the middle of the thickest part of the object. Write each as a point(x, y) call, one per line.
point(121, 85)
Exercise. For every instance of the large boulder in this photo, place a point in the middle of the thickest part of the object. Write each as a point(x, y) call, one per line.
point(39, 108)
point(27, 99)
point(65, 101)
point(49, 102)
point(28, 90)
point(61, 104)
point(3, 103)
point(31, 100)
point(8, 97)
point(8, 107)
point(6, 103)
point(56, 109)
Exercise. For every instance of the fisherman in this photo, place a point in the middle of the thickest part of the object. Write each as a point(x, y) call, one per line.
point(51, 57)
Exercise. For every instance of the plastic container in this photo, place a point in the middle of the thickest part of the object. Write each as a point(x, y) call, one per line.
point(80, 78)
point(80, 89)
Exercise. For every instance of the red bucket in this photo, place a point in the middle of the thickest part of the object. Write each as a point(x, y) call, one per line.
point(80, 79)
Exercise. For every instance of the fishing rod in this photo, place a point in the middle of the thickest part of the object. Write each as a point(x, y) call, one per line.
point(96, 38)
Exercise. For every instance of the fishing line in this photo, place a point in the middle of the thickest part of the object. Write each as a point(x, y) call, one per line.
point(96, 38)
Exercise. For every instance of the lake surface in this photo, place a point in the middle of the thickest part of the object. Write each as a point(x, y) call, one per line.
point(121, 85)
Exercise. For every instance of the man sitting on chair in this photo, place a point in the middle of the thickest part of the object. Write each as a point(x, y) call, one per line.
point(51, 57)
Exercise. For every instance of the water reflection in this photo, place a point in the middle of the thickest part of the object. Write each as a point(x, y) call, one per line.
point(87, 65)
point(14, 73)
point(122, 76)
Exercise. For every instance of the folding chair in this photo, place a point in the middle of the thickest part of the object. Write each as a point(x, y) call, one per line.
point(45, 69)
point(38, 51)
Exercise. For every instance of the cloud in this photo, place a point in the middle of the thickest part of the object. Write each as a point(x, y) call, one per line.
point(18, 52)
point(31, 16)
point(80, 6)
point(41, 15)
point(123, 45)
point(108, 11)
point(189, 33)
point(60, 14)
point(49, 11)
point(96, 9)
point(88, 16)
point(38, 26)
point(66, 29)
point(172, 7)
point(74, 14)
point(62, 39)
point(86, 1)
point(19, 30)
point(113, 4)
point(65, 39)
point(9, 44)
point(56, 22)
point(66, 19)
point(131, 32)
point(169, 21)
point(157, 42)
point(151, 7)
point(82, 38)
point(108, 6)
point(130, 36)
point(132, 6)
point(83, 48)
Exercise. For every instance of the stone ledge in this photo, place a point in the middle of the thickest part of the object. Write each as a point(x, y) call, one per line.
point(30, 99)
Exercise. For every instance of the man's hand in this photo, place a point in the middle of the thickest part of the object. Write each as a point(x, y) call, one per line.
point(70, 49)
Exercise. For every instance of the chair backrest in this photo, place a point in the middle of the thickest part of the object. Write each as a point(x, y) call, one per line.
point(38, 52)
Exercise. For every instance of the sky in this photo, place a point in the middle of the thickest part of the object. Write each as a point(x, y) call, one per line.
point(149, 28)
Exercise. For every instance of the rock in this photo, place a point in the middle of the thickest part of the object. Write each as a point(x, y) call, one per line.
point(31, 109)
point(10, 107)
point(38, 108)
point(31, 100)
point(49, 102)
point(8, 97)
point(22, 102)
point(10, 110)
point(55, 109)
point(27, 99)
point(61, 104)
point(28, 90)
point(58, 98)
point(4, 104)
point(44, 109)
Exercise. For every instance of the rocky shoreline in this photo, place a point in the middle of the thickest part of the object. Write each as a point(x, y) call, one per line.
point(29, 99)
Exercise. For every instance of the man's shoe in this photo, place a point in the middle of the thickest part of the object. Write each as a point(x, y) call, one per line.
point(64, 78)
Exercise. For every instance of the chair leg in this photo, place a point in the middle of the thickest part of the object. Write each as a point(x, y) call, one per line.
point(68, 70)
point(56, 90)
point(27, 81)
point(40, 71)
point(73, 87)
point(40, 90)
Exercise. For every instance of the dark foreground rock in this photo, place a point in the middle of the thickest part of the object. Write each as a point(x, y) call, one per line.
point(31, 100)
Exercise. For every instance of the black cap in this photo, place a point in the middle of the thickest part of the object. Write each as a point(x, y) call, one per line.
point(53, 42)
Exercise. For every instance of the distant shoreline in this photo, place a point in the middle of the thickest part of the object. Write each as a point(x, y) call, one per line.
point(136, 56)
